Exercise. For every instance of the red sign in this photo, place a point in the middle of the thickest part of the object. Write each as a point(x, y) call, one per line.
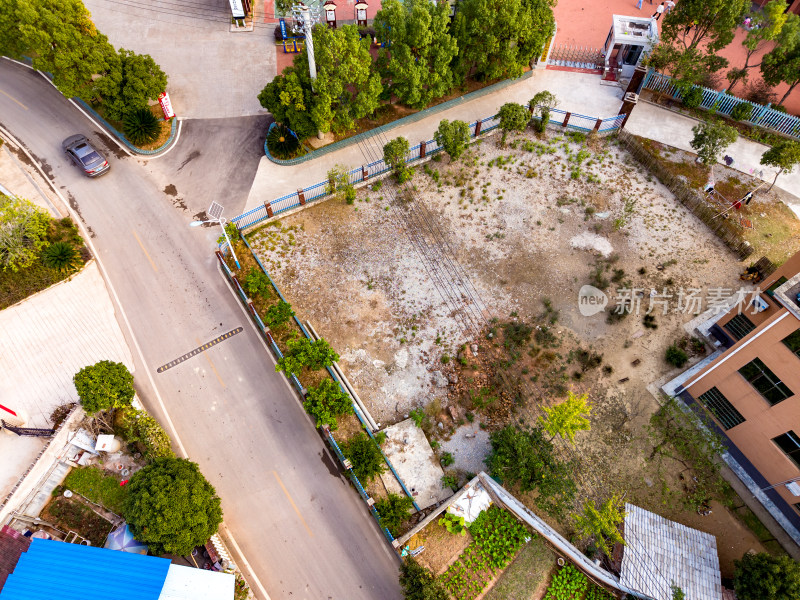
point(166, 105)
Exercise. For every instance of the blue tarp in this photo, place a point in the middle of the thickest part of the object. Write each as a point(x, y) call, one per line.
point(52, 570)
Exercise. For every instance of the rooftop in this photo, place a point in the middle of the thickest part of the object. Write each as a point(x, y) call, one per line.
point(678, 554)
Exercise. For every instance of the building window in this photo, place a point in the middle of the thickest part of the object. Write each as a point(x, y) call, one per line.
point(792, 342)
point(719, 406)
point(765, 381)
point(789, 442)
point(739, 326)
point(770, 291)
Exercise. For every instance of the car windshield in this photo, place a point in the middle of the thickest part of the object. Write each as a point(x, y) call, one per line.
point(92, 158)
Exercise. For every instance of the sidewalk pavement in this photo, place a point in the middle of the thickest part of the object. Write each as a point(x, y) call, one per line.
point(665, 126)
point(576, 92)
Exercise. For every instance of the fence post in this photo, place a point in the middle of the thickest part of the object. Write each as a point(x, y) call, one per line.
point(236, 283)
point(716, 100)
point(477, 128)
point(597, 124)
point(422, 149)
point(268, 206)
point(301, 197)
point(364, 173)
point(566, 119)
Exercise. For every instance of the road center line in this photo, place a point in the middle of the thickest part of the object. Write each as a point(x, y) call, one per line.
point(294, 506)
point(200, 349)
point(7, 95)
point(141, 245)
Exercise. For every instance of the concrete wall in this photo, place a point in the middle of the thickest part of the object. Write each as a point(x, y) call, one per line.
point(38, 471)
point(762, 421)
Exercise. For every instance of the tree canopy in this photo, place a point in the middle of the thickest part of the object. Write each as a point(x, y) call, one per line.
point(394, 155)
point(498, 38)
point(131, 81)
point(171, 507)
point(23, 232)
point(568, 417)
point(513, 117)
point(104, 385)
point(760, 576)
point(784, 156)
point(526, 457)
point(453, 137)
point(602, 523)
point(767, 26)
point(782, 63)
point(416, 62)
point(365, 455)
point(302, 352)
point(289, 98)
point(710, 140)
point(327, 401)
point(419, 583)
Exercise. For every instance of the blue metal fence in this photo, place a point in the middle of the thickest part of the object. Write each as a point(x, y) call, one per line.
point(721, 102)
point(361, 174)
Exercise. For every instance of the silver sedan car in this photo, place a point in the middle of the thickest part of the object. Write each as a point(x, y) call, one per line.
point(85, 157)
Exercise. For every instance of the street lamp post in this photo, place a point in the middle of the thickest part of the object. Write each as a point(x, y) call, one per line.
point(215, 212)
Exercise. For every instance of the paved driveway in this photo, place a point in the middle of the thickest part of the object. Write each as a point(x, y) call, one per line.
point(212, 72)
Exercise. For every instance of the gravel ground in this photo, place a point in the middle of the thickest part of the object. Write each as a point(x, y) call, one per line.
point(469, 446)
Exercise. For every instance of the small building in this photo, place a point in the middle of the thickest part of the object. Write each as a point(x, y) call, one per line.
point(629, 39)
point(50, 569)
point(660, 553)
point(750, 389)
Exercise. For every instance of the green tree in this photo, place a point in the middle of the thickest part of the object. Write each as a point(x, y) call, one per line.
point(104, 385)
point(395, 153)
point(453, 137)
point(131, 81)
point(365, 455)
point(23, 232)
point(784, 156)
point(499, 38)
point(541, 104)
point(419, 583)
point(416, 62)
point(346, 88)
point(526, 457)
point(302, 352)
point(171, 507)
point(710, 140)
point(393, 511)
point(766, 27)
point(677, 592)
point(760, 576)
point(513, 117)
point(602, 523)
point(278, 314)
point(289, 98)
point(327, 401)
point(139, 426)
point(782, 63)
point(62, 40)
point(568, 417)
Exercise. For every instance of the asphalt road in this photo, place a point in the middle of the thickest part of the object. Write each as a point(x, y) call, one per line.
point(305, 533)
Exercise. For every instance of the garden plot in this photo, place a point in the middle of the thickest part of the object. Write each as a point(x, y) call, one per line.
point(531, 222)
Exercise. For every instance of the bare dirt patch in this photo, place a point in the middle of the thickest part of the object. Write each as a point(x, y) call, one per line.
point(530, 221)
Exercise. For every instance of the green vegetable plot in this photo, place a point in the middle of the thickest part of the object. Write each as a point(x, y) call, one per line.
point(497, 537)
point(570, 584)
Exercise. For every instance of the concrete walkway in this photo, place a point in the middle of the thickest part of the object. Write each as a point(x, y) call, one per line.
point(576, 92)
point(665, 126)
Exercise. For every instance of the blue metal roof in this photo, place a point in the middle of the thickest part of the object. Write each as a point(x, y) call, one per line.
point(52, 570)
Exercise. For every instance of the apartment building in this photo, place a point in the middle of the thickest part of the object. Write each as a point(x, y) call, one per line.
point(752, 388)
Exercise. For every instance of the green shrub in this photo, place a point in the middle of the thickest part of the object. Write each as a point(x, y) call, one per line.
point(141, 126)
point(513, 117)
point(447, 459)
point(104, 385)
point(450, 480)
point(327, 401)
point(137, 426)
point(676, 356)
point(418, 416)
point(393, 512)
point(278, 314)
point(281, 143)
point(302, 352)
point(365, 456)
point(394, 155)
point(61, 256)
point(742, 112)
point(693, 98)
point(256, 283)
point(91, 483)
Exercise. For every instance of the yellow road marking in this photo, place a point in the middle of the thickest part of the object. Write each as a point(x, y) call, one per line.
point(213, 368)
point(7, 95)
point(294, 506)
point(141, 245)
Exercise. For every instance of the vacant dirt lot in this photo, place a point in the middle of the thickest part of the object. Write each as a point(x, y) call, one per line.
point(530, 221)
